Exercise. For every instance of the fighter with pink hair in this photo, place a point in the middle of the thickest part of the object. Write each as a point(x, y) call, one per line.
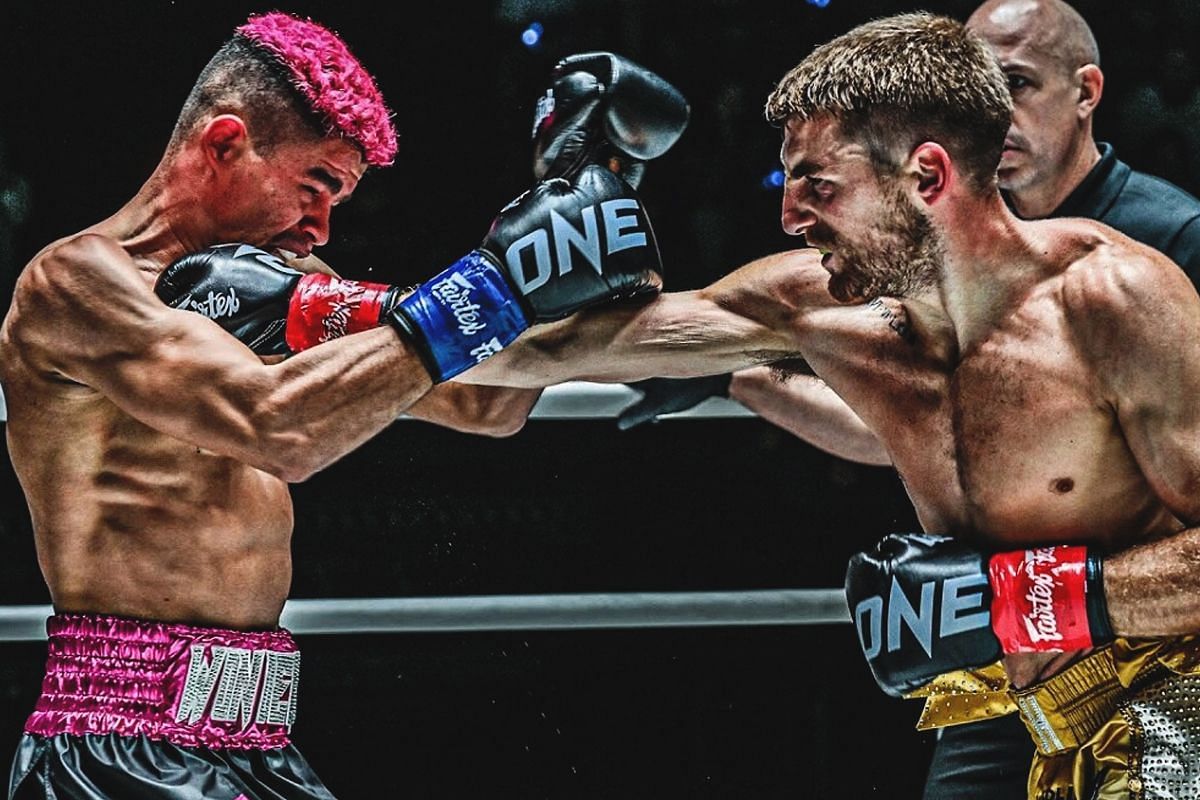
point(155, 444)
point(337, 87)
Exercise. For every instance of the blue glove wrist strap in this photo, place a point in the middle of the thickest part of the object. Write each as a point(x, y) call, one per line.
point(464, 314)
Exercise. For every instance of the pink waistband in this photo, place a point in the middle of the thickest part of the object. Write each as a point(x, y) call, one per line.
point(195, 687)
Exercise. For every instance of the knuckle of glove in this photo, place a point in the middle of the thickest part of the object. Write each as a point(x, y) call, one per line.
point(242, 288)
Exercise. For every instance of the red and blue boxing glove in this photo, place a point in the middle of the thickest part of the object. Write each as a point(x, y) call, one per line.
point(924, 605)
point(560, 247)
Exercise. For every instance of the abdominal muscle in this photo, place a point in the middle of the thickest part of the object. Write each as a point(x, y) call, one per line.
point(132, 523)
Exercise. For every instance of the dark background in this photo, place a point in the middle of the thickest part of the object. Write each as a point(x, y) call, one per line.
point(89, 95)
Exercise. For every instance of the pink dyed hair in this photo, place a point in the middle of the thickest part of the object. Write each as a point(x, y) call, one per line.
point(333, 81)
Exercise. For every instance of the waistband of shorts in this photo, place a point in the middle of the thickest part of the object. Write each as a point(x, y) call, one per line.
point(1064, 711)
point(192, 686)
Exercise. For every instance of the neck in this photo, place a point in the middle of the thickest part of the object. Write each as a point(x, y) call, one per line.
point(988, 263)
point(1040, 200)
point(163, 220)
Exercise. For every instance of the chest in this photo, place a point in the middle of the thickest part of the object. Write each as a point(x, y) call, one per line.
point(1015, 443)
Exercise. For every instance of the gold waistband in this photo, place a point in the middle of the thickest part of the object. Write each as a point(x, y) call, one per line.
point(1062, 712)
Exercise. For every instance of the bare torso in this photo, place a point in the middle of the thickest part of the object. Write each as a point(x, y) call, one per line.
point(1011, 442)
point(127, 520)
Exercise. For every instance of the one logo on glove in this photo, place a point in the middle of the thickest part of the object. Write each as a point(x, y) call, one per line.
point(215, 306)
point(622, 231)
point(959, 595)
point(454, 292)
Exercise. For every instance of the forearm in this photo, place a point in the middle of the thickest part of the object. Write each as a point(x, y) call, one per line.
point(485, 410)
point(677, 335)
point(805, 406)
point(1152, 588)
point(323, 403)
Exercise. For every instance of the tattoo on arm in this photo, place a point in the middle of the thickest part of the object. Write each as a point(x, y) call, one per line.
point(895, 321)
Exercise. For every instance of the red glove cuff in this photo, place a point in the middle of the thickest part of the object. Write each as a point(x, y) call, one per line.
point(324, 307)
point(1039, 599)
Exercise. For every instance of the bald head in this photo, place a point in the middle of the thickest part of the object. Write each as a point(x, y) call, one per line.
point(1048, 27)
point(1050, 58)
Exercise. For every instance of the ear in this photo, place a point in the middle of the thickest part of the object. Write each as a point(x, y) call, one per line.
point(933, 170)
point(1091, 86)
point(224, 139)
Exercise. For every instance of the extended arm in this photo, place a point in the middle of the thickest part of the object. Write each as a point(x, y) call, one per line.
point(768, 310)
point(485, 410)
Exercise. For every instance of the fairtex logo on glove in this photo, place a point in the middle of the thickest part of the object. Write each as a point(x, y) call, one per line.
point(215, 306)
point(454, 292)
point(1039, 599)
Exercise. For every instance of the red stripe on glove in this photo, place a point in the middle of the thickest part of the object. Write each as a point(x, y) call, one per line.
point(1039, 599)
point(324, 307)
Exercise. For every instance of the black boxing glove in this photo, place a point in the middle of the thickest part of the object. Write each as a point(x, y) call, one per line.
point(267, 305)
point(920, 604)
point(924, 605)
point(604, 109)
point(560, 247)
point(669, 396)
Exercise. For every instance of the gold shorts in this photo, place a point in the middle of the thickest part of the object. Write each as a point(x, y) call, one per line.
point(1124, 722)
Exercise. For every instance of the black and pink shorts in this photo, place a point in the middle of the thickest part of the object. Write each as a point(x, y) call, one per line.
point(136, 709)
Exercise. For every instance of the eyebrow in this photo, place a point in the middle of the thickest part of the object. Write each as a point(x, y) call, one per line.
point(804, 167)
point(321, 176)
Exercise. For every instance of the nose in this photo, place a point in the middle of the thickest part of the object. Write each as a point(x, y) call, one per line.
point(315, 223)
point(796, 216)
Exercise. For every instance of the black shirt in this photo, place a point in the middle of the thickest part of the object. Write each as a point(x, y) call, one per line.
point(1153, 211)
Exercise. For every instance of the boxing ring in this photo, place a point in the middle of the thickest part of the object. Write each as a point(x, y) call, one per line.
point(632, 610)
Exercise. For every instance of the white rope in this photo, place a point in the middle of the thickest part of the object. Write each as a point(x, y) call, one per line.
point(585, 400)
point(522, 612)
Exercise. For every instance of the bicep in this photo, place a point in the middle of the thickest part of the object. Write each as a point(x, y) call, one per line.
point(1184, 250)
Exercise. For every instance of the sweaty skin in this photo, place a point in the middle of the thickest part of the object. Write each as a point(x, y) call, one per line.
point(1042, 392)
point(153, 448)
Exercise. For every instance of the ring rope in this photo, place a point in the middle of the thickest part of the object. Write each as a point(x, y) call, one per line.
point(573, 400)
point(522, 612)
